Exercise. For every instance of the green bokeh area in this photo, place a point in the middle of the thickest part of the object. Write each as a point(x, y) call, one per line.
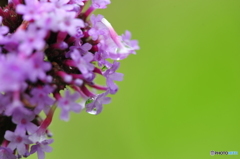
point(180, 97)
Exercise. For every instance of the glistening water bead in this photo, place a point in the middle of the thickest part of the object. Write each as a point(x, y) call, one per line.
point(48, 46)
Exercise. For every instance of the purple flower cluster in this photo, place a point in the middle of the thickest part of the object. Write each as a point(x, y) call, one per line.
point(50, 54)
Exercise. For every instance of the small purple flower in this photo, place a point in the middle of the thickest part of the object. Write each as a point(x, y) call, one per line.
point(40, 67)
point(40, 97)
point(100, 4)
point(96, 19)
point(6, 153)
point(133, 44)
point(30, 39)
point(114, 46)
point(68, 103)
point(24, 124)
point(98, 28)
point(41, 147)
point(83, 62)
point(17, 141)
point(16, 107)
point(68, 23)
point(111, 75)
point(83, 49)
point(47, 22)
point(95, 106)
point(101, 57)
point(33, 9)
point(13, 72)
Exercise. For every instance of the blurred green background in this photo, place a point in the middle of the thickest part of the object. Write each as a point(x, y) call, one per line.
point(180, 97)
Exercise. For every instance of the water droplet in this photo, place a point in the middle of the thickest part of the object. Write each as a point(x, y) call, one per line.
point(90, 100)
